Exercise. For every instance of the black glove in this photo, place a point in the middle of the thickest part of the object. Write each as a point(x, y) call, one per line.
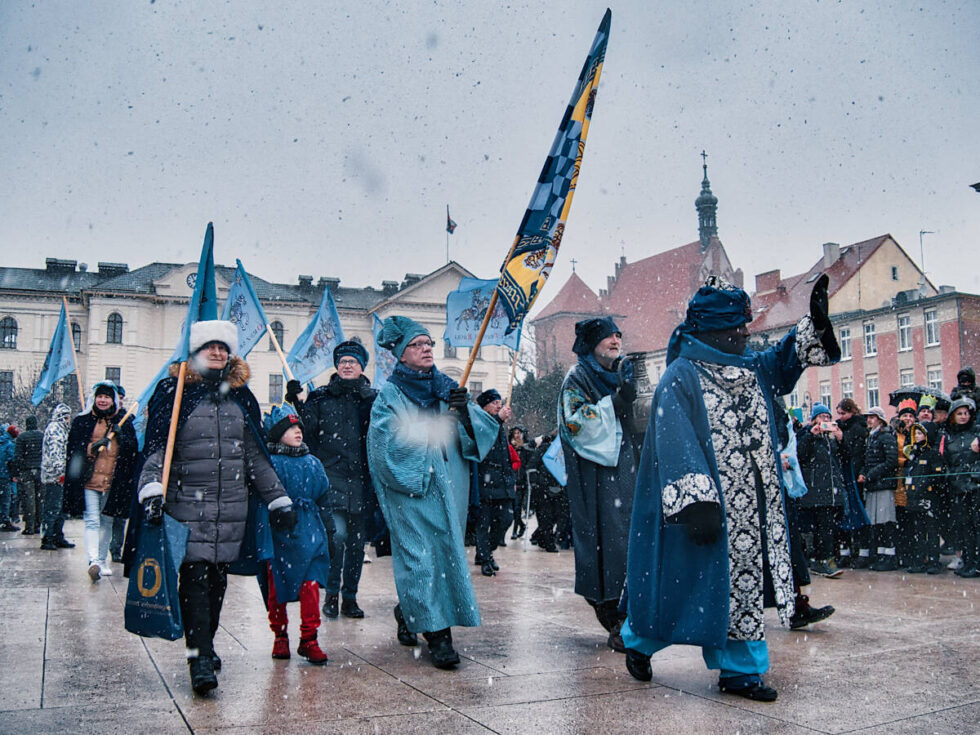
point(820, 304)
point(98, 446)
point(703, 522)
point(623, 398)
point(293, 389)
point(153, 510)
point(458, 398)
point(283, 519)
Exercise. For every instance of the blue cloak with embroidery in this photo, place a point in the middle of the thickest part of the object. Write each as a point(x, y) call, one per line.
point(679, 592)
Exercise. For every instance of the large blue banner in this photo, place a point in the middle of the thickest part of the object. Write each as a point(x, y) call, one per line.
point(465, 309)
point(244, 310)
point(60, 360)
point(313, 352)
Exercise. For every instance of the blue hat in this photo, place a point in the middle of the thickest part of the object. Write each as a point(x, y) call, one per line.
point(279, 419)
point(350, 348)
point(590, 332)
point(397, 331)
point(488, 396)
point(717, 305)
point(819, 408)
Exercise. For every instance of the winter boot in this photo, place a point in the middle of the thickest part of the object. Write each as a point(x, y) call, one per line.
point(805, 615)
point(860, 562)
point(280, 646)
point(350, 609)
point(203, 679)
point(441, 649)
point(330, 606)
point(638, 665)
point(48, 545)
point(487, 569)
point(405, 636)
point(885, 563)
point(753, 689)
point(63, 543)
point(310, 650)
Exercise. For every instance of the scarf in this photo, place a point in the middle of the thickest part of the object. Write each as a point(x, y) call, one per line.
point(422, 389)
point(279, 448)
point(605, 381)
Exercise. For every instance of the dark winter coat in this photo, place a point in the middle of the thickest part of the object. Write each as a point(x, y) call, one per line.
point(6, 454)
point(970, 390)
point(880, 461)
point(923, 473)
point(496, 472)
point(123, 487)
point(27, 450)
point(219, 455)
point(855, 430)
point(820, 463)
point(336, 417)
point(960, 458)
point(301, 554)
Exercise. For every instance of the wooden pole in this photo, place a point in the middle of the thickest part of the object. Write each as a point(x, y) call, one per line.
point(74, 355)
point(510, 383)
point(172, 434)
point(275, 343)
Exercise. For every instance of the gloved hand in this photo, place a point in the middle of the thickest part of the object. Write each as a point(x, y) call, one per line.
point(283, 519)
point(151, 498)
point(820, 304)
point(623, 398)
point(458, 398)
point(98, 446)
point(293, 389)
point(703, 522)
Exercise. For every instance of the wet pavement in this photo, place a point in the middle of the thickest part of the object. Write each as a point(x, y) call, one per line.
point(901, 655)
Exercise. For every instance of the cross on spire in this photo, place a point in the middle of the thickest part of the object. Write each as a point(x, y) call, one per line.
point(573, 262)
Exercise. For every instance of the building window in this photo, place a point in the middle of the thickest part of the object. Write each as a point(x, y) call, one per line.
point(932, 328)
point(894, 272)
point(275, 388)
point(906, 378)
point(904, 333)
point(76, 336)
point(871, 382)
point(277, 330)
point(450, 350)
point(8, 333)
point(794, 398)
point(934, 376)
point(845, 343)
point(114, 329)
point(6, 384)
point(113, 374)
point(476, 387)
point(846, 388)
point(825, 398)
point(870, 342)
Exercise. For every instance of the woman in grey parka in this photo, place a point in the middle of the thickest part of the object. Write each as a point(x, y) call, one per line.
point(218, 458)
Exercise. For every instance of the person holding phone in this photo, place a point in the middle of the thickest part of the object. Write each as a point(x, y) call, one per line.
point(818, 449)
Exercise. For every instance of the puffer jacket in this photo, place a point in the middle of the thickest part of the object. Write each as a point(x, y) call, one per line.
point(336, 417)
point(923, 472)
point(962, 463)
point(880, 461)
point(27, 450)
point(496, 472)
point(54, 452)
point(820, 464)
point(217, 458)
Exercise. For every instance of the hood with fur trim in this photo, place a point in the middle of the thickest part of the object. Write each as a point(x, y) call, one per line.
point(238, 372)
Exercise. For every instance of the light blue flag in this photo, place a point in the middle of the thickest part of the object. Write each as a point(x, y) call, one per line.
point(203, 307)
point(465, 309)
point(59, 362)
point(384, 360)
point(554, 461)
point(313, 352)
point(242, 307)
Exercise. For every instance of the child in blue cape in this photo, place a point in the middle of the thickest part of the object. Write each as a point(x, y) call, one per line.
point(298, 560)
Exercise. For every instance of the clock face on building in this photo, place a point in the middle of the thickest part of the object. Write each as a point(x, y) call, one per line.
point(191, 279)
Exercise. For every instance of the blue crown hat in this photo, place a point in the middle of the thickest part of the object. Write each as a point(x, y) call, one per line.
point(281, 418)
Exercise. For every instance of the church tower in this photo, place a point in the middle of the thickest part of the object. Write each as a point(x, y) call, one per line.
point(707, 205)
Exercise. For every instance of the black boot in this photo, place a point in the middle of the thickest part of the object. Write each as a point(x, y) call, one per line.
point(441, 649)
point(330, 606)
point(638, 665)
point(350, 608)
point(805, 615)
point(405, 636)
point(203, 679)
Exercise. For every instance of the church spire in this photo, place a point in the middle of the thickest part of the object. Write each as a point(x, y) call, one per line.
point(707, 205)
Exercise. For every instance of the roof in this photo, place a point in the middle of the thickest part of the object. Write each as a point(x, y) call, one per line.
point(575, 297)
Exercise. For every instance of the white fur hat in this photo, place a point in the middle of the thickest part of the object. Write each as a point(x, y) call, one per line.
point(214, 330)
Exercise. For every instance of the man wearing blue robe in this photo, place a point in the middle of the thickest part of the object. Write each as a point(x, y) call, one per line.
point(422, 433)
point(709, 542)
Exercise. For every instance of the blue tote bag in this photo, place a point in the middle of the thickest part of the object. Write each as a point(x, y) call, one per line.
point(152, 605)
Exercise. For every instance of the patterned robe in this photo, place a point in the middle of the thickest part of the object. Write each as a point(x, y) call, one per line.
point(712, 438)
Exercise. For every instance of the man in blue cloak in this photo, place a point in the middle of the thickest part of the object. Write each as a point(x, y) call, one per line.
point(709, 542)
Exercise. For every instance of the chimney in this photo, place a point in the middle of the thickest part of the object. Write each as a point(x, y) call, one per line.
point(306, 282)
point(411, 279)
point(59, 265)
point(831, 254)
point(389, 288)
point(111, 270)
point(768, 281)
point(332, 283)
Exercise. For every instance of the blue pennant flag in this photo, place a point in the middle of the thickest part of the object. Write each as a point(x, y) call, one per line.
point(384, 361)
point(203, 307)
point(465, 309)
point(313, 352)
point(60, 360)
point(242, 308)
point(524, 273)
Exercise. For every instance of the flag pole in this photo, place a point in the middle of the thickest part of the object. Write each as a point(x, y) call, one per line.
point(172, 434)
point(74, 356)
point(275, 343)
point(510, 383)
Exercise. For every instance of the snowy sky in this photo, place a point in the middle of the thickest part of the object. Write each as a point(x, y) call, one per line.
point(327, 137)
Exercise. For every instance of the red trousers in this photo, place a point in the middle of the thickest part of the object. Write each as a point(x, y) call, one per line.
point(309, 609)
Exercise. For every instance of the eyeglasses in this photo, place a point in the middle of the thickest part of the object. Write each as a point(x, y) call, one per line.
point(347, 362)
point(421, 344)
